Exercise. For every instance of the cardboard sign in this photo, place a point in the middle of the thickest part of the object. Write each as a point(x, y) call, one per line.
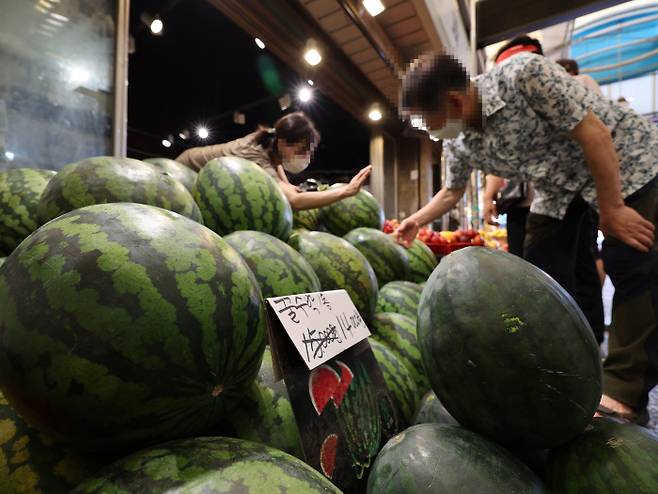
point(342, 407)
point(321, 325)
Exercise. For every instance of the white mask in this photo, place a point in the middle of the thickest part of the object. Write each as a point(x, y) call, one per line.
point(296, 164)
point(451, 130)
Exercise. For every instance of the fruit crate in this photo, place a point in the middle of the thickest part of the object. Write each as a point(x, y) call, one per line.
point(441, 249)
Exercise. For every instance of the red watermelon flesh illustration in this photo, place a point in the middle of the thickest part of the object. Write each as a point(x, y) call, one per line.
point(322, 384)
point(346, 377)
point(328, 454)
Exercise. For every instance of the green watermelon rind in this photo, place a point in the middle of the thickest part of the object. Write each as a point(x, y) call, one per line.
point(176, 170)
point(401, 297)
point(360, 210)
point(388, 259)
point(422, 261)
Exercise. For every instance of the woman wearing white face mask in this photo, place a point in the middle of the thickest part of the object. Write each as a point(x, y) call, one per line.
point(287, 147)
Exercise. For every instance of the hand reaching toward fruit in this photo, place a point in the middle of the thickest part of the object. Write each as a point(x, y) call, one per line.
point(406, 232)
point(357, 181)
point(490, 212)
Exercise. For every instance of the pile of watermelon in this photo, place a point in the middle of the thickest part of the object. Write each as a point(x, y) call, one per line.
point(133, 341)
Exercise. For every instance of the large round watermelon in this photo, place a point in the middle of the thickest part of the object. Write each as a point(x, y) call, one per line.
point(149, 326)
point(398, 332)
point(339, 265)
point(432, 411)
point(177, 170)
point(2, 260)
point(508, 350)
point(401, 386)
point(105, 179)
point(20, 189)
point(306, 219)
point(608, 458)
point(279, 269)
point(401, 297)
point(446, 459)
point(422, 261)
point(236, 194)
point(388, 259)
point(265, 414)
point(208, 465)
point(33, 463)
point(360, 210)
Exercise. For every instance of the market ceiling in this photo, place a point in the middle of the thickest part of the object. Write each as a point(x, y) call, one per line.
point(498, 20)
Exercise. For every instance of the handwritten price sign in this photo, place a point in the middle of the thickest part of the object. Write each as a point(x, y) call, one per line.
point(321, 325)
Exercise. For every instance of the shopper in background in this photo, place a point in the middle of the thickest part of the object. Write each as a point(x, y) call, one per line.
point(504, 196)
point(527, 119)
point(287, 147)
point(571, 66)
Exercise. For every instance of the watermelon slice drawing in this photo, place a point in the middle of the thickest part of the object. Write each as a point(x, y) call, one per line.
point(346, 377)
point(328, 454)
point(322, 384)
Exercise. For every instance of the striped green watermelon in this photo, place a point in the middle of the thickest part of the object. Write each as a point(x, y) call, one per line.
point(105, 179)
point(608, 458)
point(236, 194)
point(339, 265)
point(439, 458)
point(149, 326)
point(422, 261)
point(508, 350)
point(20, 189)
point(306, 219)
point(401, 297)
point(33, 463)
point(432, 411)
point(2, 260)
point(208, 465)
point(399, 382)
point(279, 269)
point(360, 210)
point(265, 414)
point(398, 333)
point(176, 170)
point(388, 259)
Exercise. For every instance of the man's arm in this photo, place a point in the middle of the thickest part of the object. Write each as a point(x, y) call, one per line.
point(493, 184)
point(617, 219)
point(441, 203)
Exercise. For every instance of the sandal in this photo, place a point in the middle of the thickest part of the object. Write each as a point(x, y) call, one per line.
point(639, 418)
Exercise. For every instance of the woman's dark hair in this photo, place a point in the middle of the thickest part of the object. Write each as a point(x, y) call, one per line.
point(428, 80)
point(570, 65)
point(292, 128)
point(523, 40)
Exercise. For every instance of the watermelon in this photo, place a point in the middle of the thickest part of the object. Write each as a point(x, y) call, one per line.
point(176, 170)
point(398, 332)
point(439, 458)
point(2, 260)
point(105, 179)
point(422, 261)
point(20, 189)
point(237, 194)
point(388, 259)
point(306, 219)
point(508, 350)
point(399, 382)
point(339, 265)
point(432, 411)
point(208, 465)
point(401, 297)
point(279, 269)
point(265, 414)
point(608, 458)
point(360, 210)
point(33, 463)
point(149, 326)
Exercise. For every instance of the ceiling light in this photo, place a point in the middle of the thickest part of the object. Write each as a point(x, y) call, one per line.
point(305, 94)
point(166, 143)
point(374, 7)
point(59, 17)
point(312, 53)
point(260, 43)
point(418, 123)
point(45, 4)
point(156, 26)
point(310, 82)
point(184, 134)
point(375, 115)
point(54, 22)
point(202, 132)
point(78, 75)
point(9, 155)
point(434, 138)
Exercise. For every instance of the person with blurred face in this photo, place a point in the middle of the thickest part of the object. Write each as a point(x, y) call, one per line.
point(287, 147)
point(528, 120)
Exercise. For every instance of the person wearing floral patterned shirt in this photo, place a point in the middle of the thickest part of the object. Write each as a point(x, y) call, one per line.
point(528, 120)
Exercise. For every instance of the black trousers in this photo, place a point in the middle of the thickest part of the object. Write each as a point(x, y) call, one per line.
point(516, 220)
point(565, 249)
